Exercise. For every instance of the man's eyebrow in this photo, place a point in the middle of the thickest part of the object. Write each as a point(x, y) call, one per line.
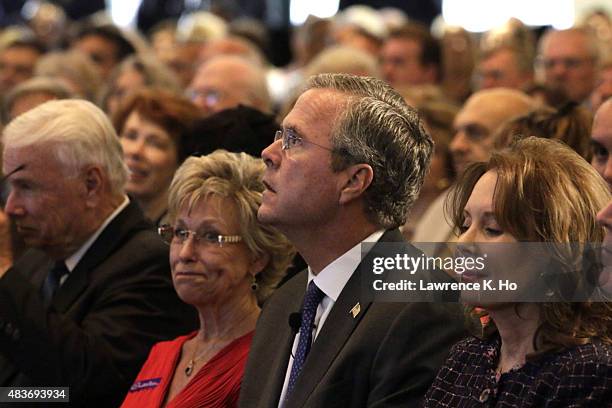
point(291, 128)
point(10, 173)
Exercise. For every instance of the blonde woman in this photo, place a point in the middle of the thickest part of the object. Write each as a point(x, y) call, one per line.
point(224, 263)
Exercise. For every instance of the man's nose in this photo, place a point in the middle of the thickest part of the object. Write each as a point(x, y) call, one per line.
point(12, 207)
point(271, 155)
point(459, 142)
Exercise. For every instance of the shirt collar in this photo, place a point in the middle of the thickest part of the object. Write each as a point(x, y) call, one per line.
point(74, 259)
point(332, 279)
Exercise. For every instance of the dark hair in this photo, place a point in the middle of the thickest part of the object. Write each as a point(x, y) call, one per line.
point(431, 53)
point(240, 129)
point(111, 33)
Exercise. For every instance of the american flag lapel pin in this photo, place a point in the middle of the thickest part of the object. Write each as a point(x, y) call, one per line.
point(355, 310)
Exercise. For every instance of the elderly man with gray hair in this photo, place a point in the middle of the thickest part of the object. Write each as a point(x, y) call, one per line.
point(83, 306)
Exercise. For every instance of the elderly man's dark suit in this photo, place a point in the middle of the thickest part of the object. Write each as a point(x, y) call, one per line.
point(387, 355)
point(102, 321)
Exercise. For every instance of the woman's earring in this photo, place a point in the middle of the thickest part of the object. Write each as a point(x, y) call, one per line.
point(254, 284)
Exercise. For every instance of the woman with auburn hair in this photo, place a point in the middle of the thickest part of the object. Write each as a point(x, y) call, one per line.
point(556, 352)
point(154, 128)
point(225, 264)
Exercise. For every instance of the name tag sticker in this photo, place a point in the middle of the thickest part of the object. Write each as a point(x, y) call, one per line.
point(145, 384)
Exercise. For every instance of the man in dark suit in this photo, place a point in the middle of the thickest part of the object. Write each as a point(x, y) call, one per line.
point(346, 166)
point(83, 307)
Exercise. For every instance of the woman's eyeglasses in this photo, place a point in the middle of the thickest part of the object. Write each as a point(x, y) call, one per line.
point(172, 235)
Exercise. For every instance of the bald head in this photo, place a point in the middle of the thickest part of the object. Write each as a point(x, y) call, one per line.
point(224, 82)
point(482, 114)
point(231, 46)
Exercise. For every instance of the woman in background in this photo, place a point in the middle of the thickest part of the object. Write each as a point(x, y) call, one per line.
point(154, 128)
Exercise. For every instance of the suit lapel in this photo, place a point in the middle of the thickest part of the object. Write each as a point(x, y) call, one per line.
point(113, 236)
point(337, 329)
point(335, 332)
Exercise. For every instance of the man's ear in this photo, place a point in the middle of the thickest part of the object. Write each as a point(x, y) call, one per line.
point(93, 179)
point(360, 177)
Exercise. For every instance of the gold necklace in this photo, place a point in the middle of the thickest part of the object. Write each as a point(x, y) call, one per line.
point(194, 359)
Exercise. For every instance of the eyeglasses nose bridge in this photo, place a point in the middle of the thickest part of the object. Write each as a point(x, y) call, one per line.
point(194, 237)
point(280, 135)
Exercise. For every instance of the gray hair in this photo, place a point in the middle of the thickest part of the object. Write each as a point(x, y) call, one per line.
point(36, 85)
point(73, 66)
point(77, 132)
point(239, 177)
point(591, 43)
point(378, 128)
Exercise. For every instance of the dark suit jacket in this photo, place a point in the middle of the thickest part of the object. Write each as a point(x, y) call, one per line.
point(387, 356)
point(97, 332)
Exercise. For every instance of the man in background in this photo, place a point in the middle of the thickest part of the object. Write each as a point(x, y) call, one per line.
point(227, 81)
point(504, 67)
point(411, 56)
point(601, 141)
point(569, 59)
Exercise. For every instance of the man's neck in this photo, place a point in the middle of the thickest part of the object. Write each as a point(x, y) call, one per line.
point(320, 247)
point(93, 222)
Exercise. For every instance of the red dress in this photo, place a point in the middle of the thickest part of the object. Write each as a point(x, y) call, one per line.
point(216, 384)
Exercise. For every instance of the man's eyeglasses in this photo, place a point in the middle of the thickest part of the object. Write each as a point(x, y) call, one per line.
point(210, 97)
point(567, 63)
point(290, 139)
point(172, 235)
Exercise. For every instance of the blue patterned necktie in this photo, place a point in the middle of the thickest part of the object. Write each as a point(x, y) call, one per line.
point(313, 297)
point(52, 282)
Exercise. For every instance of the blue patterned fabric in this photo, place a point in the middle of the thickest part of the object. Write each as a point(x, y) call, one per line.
point(313, 297)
